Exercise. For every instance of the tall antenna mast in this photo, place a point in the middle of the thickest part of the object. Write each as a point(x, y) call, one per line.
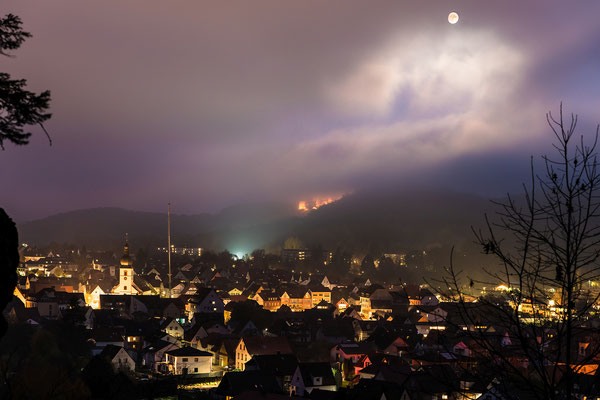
point(169, 243)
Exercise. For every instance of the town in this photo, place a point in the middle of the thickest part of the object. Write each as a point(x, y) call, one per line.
point(284, 200)
point(225, 327)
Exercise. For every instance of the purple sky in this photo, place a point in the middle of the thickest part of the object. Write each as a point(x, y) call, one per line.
point(208, 104)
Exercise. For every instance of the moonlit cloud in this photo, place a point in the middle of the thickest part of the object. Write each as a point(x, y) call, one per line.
point(456, 89)
point(435, 74)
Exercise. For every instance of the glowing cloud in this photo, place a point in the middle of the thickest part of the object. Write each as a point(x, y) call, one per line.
point(436, 99)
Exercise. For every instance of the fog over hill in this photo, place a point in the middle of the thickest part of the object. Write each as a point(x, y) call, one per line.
point(106, 227)
point(362, 223)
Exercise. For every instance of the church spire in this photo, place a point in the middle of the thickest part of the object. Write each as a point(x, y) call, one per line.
point(126, 260)
point(126, 247)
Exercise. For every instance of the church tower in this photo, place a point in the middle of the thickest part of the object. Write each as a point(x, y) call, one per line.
point(126, 285)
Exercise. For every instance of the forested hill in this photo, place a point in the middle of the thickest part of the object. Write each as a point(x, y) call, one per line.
point(364, 222)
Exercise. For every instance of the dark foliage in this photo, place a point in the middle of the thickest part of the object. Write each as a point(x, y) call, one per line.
point(9, 260)
point(19, 107)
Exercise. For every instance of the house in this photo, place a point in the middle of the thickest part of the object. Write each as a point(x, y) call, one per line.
point(381, 308)
point(193, 335)
point(363, 329)
point(346, 355)
point(118, 357)
point(281, 366)
point(310, 376)
point(65, 300)
point(342, 304)
point(396, 347)
point(183, 275)
point(426, 383)
point(375, 299)
point(172, 327)
point(187, 360)
point(120, 303)
point(50, 302)
point(246, 329)
point(103, 317)
point(349, 351)
point(93, 298)
point(461, 349)
point(154, 354)
point(205, 300)
point(179, 289)
point(212, 344)
point(80, 316)
point(297, 330)
point(322, 280)
point(106, 336)
point(199, 331)
point(258, 345)
point(226, 353)
point(351, 312)
point(375, 389)
point(336, 331)
point(428, 298)
point(157, 306)
point(297, 298)
point(235, 383)
point(227, 309)
point(268, 299)
point(15, 313)
point(153, 282)
point(319, 293)
point(252, 289)
point(383, 366)
point(38, 283)
point(48, 308)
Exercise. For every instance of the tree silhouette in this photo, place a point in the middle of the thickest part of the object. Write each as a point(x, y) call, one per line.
point(19, 107)
point(548, 249)
point(9, 260)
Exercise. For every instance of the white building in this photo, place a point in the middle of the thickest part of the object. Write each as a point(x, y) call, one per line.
point(93, 298)
point(187, 360)
point(126, 284)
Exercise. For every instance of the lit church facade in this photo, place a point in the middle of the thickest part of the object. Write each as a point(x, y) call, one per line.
point(126, 280)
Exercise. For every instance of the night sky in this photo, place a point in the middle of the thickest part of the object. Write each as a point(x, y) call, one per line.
point(209, 104)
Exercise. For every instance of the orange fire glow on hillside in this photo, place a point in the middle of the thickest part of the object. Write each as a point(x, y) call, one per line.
point(317, 202)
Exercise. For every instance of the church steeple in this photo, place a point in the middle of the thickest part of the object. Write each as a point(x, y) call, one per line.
point(126, 260)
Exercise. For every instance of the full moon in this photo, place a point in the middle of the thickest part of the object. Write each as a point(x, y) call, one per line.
point(453, 17)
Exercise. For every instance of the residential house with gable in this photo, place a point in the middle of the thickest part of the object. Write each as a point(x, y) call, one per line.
point(297, 298)
point(120, 359)
point(251, 346)
point(187, 360)
point(311, 376)
point(205, 300)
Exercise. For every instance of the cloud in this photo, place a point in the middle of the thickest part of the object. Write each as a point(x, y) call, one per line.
point(432, 100)
point(446, 74)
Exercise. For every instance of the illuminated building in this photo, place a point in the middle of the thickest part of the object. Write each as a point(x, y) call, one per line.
point(126, 275)
point(185, 251)
point(291, 255)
